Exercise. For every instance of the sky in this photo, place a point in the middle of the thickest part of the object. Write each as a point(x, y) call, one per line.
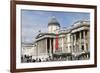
point(33, 21)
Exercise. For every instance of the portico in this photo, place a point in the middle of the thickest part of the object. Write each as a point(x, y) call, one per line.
point(80, 40)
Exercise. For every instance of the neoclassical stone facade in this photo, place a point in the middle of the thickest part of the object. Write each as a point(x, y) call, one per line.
point(72, 43)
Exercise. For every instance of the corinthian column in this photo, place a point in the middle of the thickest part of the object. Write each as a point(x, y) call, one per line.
point(72, 43)
point(84, 40)
point(80, 48)
point(62, 44)
point(54, 46)
point(50, 48)
point(75, 43)
point(46, 46)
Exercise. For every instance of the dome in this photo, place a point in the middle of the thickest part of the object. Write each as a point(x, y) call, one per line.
point(53, 21)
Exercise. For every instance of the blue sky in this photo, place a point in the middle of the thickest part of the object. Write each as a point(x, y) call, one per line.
point(34, 20)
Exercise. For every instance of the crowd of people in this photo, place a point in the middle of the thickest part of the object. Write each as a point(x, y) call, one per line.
point(28, 59)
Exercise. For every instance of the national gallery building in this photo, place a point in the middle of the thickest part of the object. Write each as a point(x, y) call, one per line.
point(72, 43)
